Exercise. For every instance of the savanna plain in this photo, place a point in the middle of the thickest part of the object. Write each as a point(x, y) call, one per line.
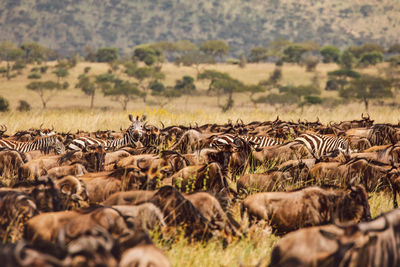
point(68, 111)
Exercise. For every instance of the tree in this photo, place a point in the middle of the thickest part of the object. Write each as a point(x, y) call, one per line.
point(347, 60)
point(339, 78)
point(222, 84)
point(35, 53)
point(293, 53)
point(371, 58)
point(194, 59)
point(310, 62)
point(288, 95)
point(23, 106)
point(123, 92)
point(358, 51)
point(107, 54)
point(4, 105)
point(145, 76)
point(395, 48)
point(8, 53)
point(254, 89)
point(90, 84)
point(60, 73)
point(163, 94)
point(46, 90)
point(148, 54)
point(366, 88)
point(258, 54)
point(215, 48)
point(330, 53)
point(185, 86)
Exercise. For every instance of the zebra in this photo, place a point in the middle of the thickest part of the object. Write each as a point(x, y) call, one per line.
point(131, 136)
point(321, 145)
point(43, 143)
point(257, 141)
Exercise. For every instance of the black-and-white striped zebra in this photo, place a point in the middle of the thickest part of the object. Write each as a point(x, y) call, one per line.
point(258, 141)
point(131, 137)
point(321, 145)
point(42, 143)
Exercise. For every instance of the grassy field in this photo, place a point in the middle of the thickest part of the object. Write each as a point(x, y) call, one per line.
point(68, 112)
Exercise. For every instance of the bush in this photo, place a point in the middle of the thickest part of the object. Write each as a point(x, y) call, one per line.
point(371, 58)
point(4, 105)
point(34, 75)
point(3, 69)
point(310, 63)
point(312, 100)
point(19, 65)
point(276, 76)
point(23, 106)
point(330, 54)
point(43, 69)
point(157, 87)
point(86, 70)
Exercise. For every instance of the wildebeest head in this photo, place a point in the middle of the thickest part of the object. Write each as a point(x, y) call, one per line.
point(357, 197)
point(136, 128)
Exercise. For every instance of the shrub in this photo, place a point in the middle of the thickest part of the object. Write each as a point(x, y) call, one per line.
point(23, 106)
point(34, 75)
point(4, 105)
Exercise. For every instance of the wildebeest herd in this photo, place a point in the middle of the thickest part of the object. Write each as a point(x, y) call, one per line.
point(92, 198)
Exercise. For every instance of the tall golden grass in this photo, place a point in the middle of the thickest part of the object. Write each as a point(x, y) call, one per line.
point(68, 111)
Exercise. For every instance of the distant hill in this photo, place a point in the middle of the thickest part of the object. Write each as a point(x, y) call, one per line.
point(70, 25)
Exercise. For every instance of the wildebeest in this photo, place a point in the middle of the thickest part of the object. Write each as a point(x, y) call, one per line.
point(374, 243)
point(15, 208)
point(288, 211)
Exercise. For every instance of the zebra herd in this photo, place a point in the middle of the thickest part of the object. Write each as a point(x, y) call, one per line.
point(318, 145)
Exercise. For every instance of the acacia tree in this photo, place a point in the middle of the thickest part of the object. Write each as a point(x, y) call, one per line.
point(8, 53)
point(35, 53)
point(215, 48)
point(90, 84)
point(164, 95)
point(222, 84)
point(185, 86)
point(145, 77)
point(367, 88)
point(123, 92)
point(46, 90)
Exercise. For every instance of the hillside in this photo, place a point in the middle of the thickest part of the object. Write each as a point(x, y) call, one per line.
point(70, 25)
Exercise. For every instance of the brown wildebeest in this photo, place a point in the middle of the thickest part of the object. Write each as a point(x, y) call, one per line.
point(129, 197)
point(10, 162)
point(47, 226)
point(15, 208)
point(178, 211)
point(288, 211)
point(144, 255)
point(208, 177)
point(213, 212)
point(144, 216)
point(374, 243)
point(103, 184)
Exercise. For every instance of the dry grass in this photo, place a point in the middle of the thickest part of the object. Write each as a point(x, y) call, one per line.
point(68, 112)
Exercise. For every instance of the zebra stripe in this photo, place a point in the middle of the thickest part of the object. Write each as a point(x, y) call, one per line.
point(129, 138)
point(260, 141)
point(39, 144)
point(320, 145)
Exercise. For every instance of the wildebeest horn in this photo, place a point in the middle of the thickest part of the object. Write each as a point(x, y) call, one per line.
point(162, 124)
point(52, 128)
point(375, 226)
point(138, 164)
point(351, 182)
point(3, 128)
